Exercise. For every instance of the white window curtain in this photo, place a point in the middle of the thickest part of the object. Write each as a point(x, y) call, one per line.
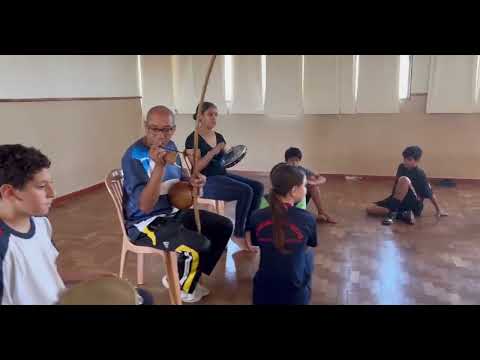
point(420, 74)
point(157, 81)
point(184, 95)
point(283, 93)
point(452, 84)
point(321, 84)
point(247, 84)
point(378, 84)
point(348, 72)
point(216, 84)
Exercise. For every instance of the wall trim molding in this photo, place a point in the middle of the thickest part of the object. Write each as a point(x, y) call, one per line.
point(366, 177)
point(70, 99)
point(61, 200)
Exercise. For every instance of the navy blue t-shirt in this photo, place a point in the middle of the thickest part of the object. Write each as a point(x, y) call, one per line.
point(283, 278)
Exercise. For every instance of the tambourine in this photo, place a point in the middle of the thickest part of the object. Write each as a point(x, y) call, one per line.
point(233, 156)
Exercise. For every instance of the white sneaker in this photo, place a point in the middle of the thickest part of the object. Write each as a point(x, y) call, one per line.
point(165, 282)
point(202, 289)
point(193, 297)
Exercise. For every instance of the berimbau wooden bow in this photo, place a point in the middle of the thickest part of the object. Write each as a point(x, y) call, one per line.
point(196, 153)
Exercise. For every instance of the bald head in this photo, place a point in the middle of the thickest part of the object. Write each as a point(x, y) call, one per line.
point(159, 110)
point(159, 126)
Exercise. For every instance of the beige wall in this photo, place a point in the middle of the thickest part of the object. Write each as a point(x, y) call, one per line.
point(84, 139)
point(361, 144)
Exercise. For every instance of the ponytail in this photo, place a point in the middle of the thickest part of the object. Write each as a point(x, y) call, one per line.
point(283, 177)
point(279, 217)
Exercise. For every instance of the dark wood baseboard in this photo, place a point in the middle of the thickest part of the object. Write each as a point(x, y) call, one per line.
point(62, 200)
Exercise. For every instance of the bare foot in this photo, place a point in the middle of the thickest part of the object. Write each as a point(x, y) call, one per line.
point(244, 243)
point(248, 243)
point(324, 218)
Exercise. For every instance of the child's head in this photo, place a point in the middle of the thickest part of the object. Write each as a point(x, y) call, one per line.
point(25, 181)
point(293, 156)
point(288, 181)
point(411, 156)
point(208, 115)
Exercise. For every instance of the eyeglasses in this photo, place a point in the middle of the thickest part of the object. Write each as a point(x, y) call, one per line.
point(164, 130)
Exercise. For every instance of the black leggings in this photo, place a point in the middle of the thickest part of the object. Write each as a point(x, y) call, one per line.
point(246, 192)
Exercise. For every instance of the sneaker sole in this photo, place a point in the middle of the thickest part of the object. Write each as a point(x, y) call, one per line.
point(192, 300)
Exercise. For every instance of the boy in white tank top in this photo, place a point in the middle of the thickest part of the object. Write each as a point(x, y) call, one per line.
point(28, 270)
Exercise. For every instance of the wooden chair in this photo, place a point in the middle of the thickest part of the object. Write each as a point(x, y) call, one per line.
point(114, 184)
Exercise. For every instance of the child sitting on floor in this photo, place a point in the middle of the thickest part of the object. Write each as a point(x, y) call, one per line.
point(293, 156)
point(410, 189)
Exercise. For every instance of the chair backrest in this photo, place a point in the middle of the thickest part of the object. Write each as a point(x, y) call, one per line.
point(186, 164)
point(114, 184)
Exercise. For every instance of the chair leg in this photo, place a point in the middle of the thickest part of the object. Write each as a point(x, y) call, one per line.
point(212, 208)
point(139, 269)
point(172, 276)
point(219, 206)
point(123, 256)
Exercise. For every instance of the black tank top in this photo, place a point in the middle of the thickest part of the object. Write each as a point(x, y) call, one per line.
point(214, 167)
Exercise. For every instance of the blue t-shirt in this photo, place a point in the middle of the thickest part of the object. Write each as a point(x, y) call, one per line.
point(284, 278)
point(137, 168)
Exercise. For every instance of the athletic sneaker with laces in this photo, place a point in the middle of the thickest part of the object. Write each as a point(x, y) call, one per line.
point(194, 297)
point(202, 289)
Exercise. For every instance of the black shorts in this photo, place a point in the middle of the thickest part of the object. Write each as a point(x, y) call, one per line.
point(410, 202)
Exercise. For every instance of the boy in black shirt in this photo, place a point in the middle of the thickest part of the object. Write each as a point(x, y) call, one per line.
point(410, 189)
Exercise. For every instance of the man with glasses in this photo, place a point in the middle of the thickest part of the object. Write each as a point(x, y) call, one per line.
point(151, 220)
